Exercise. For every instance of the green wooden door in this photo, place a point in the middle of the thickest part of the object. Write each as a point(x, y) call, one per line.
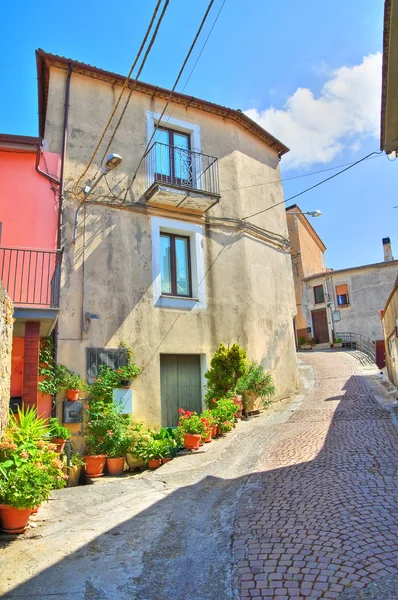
point(180, 385)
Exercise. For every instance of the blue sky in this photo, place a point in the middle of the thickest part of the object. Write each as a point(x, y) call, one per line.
point(260, 57)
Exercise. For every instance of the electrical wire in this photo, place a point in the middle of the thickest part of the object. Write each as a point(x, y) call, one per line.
point(170, 96)
point(294, 177)
point(312, 187)
point(137, 77)
point(196, 62)
point(122, 90)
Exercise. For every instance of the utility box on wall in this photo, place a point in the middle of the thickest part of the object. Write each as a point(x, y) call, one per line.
point(73, 411)
point(124, 398)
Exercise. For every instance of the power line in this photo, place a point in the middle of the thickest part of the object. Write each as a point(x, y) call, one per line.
point(136, 78)
point(197, 60)
point(291, 178)
point(313, 186)
point(170, 95)
point(123, 88)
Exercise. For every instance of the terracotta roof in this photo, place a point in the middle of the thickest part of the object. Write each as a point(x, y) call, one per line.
point(337, 271)
point(44, 60)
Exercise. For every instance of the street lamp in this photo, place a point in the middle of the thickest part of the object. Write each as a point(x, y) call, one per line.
point(112, 162)
point(311, 213)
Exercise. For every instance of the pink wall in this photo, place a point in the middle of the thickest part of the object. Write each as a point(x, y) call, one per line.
point(27, 203)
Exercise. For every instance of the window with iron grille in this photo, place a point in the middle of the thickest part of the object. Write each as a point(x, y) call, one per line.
point(114, 358)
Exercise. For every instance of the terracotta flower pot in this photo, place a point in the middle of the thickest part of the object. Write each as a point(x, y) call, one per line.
point(72, 395)
point(208, 437)
point(35, 510)
point(166, 460)
point(95, 465)
point(192, 441)
point(219, 430)
point(214, 431)
point(134, 462)
point(115, 465)
point(154, 463)
point(60, 443)
point(14, 520)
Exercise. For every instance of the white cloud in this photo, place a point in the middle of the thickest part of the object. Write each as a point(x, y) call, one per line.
point(319, 129)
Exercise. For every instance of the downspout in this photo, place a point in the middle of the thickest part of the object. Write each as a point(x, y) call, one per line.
point(61, 192)
point(47, 175)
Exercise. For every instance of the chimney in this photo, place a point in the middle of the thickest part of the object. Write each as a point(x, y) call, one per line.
point(388, 257)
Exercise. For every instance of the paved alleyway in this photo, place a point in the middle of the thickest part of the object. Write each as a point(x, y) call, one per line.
point(322, 512)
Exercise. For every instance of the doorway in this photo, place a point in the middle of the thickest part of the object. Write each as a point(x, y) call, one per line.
point(320, 326)
point(180, 386)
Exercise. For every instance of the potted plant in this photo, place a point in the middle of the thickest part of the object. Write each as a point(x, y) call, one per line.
point(29, 469)
point(152, 452)
point(127, 373)
point(74, 470)
point(72, 383)
point(304, 343)
point(169, 443)
point(226, 367)
point(313, 342)
point(95, 431)
point(137, 436)
point(253, 385)
point(193, 427)
point(224, 415)
point(58, 434)
point(338, 343)
point(115, 456)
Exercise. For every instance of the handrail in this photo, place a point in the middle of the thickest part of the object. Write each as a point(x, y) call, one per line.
point(357, 341)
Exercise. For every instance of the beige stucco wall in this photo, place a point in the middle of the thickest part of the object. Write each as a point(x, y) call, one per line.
point(390, 327)
point(249, 288)
point(307, 259)
point(368, 289)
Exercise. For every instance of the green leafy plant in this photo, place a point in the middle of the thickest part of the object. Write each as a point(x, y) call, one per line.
point(191, 422)
point(303, 341)
point(128, 372)
point(210, 417)
point(26, 486)
point(27, 425)
point(224, 414)
point(106, 381)
point(256, 380)
point(227, 366)
point(106, 429)
point(338, 340)
point(71, 381)
point(76, 459)
point(56, 430)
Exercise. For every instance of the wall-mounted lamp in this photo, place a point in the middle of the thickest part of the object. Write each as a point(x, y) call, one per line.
point(311, 213)
point(112, 162)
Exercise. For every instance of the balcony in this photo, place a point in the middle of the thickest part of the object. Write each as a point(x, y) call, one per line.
point(32, 280)
point(181, 178)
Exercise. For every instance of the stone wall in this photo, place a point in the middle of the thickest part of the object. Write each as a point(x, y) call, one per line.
point(6, 326)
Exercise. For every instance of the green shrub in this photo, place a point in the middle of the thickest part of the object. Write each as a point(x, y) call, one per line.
point(56, 430)
point(227, 366)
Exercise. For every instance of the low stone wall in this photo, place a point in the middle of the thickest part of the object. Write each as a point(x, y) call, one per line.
point(6, 327)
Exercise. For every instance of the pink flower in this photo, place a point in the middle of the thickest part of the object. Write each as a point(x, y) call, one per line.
point(110, 432)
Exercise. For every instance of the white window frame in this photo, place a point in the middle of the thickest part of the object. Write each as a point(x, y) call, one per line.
point(196, 246)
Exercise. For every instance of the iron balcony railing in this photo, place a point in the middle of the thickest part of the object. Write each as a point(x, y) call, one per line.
point(182, 168)
point(31, 277)
point(357, 341)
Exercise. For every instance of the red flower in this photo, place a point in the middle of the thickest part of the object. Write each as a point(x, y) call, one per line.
point(86, 406)
point(181, 411)
point(214, 400)
point(119, 371)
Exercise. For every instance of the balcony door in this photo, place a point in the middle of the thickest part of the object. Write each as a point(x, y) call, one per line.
point(173, 159)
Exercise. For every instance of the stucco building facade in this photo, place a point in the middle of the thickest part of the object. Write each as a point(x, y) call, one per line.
point(308, 257)
point(167, 265)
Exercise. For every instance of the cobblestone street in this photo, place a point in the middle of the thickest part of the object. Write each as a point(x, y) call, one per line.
point(321, 513)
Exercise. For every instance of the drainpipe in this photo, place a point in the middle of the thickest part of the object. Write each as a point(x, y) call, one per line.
point(61, 192)
point(47, 175)
point(63, 155)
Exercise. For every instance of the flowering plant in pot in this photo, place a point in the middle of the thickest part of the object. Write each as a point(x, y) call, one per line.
point(137, 435)
point(127, 373)
point(225, 414)
point(29, 469)
point(192, 426)
point(210, 418)
point(152, 453)
point(58, 434)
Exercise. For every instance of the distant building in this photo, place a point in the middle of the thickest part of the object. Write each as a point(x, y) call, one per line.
point(308, 257)
point(348, 301)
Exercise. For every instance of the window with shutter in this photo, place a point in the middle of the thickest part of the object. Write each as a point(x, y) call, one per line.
point(343, 299)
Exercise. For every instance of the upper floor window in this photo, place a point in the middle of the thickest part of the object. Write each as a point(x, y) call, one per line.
point(173, 159)
point(175, 265)
point(343, 298)
point(319, 294)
